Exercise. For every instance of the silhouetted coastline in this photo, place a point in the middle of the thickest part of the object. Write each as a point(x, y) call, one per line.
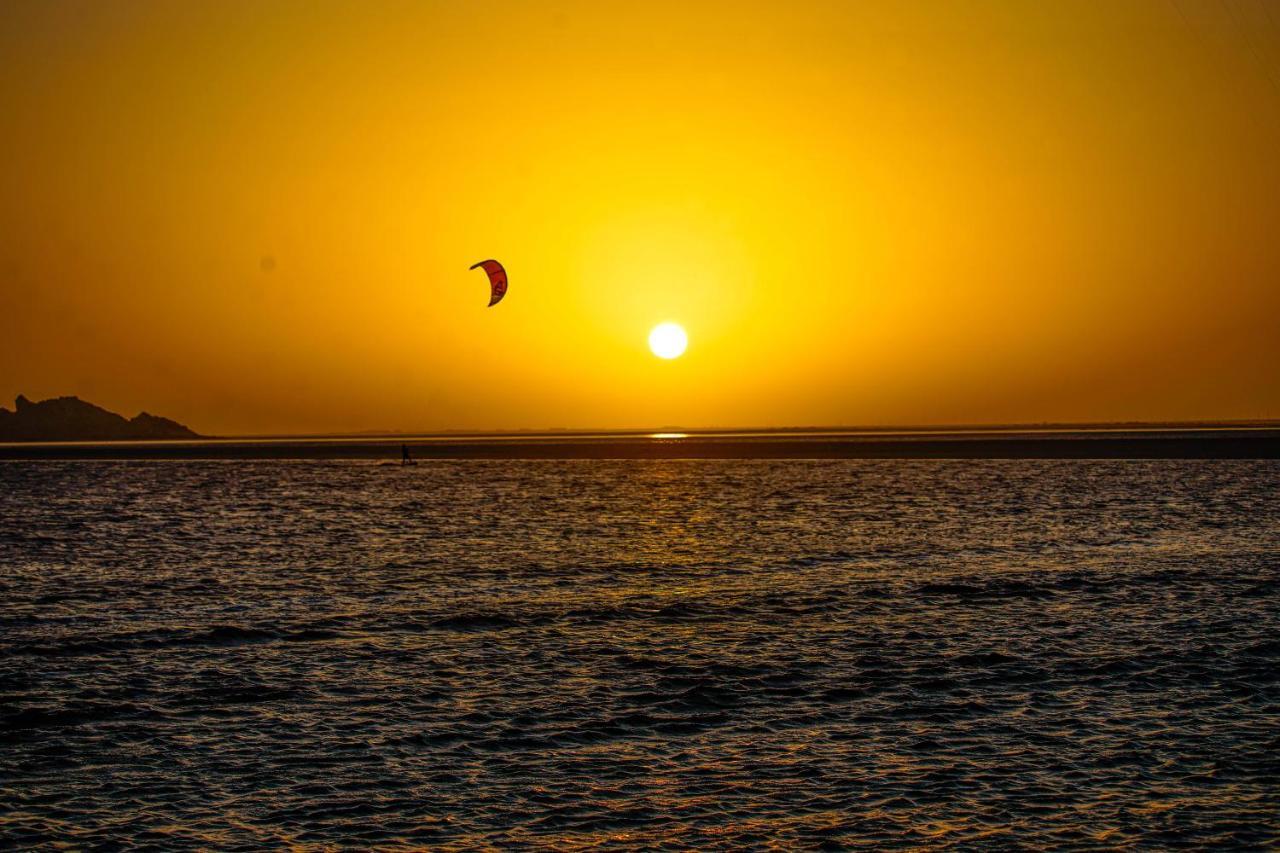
point(1206, 443)
point(72, 419)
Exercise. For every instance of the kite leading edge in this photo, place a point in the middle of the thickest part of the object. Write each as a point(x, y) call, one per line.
point(497, 280)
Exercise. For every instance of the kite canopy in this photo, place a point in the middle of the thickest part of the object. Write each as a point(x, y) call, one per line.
point(497, 280)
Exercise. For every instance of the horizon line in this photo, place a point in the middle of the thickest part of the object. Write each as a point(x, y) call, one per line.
point(1022, 426)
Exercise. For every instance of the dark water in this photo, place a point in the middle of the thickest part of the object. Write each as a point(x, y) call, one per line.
point(724, 654)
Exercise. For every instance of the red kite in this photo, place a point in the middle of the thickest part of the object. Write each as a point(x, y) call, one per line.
point(497, 280)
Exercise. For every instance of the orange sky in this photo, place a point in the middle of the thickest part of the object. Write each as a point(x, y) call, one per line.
point(258, 217)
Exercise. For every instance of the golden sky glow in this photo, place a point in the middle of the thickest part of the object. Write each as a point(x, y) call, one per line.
point(259, 217)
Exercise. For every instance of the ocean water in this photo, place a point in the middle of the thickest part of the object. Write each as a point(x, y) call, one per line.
point(683, 654)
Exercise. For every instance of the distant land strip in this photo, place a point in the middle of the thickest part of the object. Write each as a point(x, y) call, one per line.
point(1216, 443)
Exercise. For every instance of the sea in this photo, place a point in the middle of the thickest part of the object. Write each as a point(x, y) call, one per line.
point(677, 654)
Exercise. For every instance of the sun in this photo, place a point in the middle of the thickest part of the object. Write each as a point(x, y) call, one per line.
point(668, 340)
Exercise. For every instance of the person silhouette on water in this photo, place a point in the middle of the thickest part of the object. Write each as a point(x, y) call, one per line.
point(404, 455)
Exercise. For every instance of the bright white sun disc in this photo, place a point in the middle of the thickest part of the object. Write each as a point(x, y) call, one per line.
point(668, 340)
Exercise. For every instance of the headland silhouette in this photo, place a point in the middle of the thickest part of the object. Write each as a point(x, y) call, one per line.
point(72, 419)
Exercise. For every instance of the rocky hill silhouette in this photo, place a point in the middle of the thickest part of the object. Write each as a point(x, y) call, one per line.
point(72, 419)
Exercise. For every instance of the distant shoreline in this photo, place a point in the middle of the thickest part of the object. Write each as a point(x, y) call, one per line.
point(1096, 443)
point(887, 429)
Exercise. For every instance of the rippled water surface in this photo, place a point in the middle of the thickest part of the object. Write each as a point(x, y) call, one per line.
point(725, 654)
